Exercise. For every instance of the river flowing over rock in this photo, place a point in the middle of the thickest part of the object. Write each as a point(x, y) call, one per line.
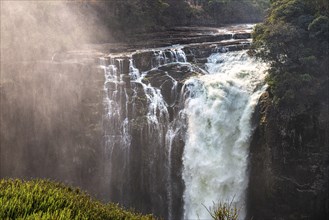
point(177, 132)
point(164, 130)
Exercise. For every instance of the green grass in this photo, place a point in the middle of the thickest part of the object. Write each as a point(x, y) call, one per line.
point(44, 199)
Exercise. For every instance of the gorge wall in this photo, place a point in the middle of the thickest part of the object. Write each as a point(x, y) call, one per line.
point(289, 163)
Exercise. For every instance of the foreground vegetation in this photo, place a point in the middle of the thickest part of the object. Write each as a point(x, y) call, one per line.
point(223, 211)
point(44, 199)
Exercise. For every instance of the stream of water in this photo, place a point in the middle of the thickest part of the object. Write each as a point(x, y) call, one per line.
point(212, 119)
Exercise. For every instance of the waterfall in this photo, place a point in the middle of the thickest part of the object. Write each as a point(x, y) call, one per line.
point(116, 121)
point(219, 112)
point(166, 56)
point(177, 146)
point(141, 128)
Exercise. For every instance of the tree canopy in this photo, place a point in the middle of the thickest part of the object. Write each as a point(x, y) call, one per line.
point(294, 40)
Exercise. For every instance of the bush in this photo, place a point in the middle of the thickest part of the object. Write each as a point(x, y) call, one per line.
point(294, 41)
point(44, 199)
point(223, 211)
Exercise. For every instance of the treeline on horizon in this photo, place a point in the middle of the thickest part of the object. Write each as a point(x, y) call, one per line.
point(135, 16)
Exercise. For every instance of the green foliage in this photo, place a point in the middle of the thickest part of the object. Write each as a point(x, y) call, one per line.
point(294, 41)
point(43, 199)
point(223, 211)
point(224, 11)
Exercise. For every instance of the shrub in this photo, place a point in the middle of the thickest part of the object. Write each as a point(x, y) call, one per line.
point(44, 199)
point(223, 211)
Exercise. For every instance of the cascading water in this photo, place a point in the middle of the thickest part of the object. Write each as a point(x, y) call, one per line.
point(116, 120)
point(178, 144)
point(219, 112)
point(140, 132)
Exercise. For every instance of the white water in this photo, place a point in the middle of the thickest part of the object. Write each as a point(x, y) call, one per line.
point(159, 128)
point(158, 115)
point(169, 55)
point(219, 113)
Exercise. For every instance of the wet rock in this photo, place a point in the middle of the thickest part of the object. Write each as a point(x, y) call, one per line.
point(289, 169)
point(143, 60)
point(169, 78)
point(178, 71)
point(242, 36)
point(122, 63)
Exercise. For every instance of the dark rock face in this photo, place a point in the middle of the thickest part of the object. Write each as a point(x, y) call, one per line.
point(198, 53)
point(289, 164)
point(143, 61)
point(189, 35)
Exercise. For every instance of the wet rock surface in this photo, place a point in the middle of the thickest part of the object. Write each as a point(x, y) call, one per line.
point(179, 36)
point(189, 35)
point(289, 164)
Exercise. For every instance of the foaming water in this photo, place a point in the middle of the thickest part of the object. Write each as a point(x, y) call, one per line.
point(212, 119)
point(219, 112)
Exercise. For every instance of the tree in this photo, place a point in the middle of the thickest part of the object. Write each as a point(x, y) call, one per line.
point(294, 41)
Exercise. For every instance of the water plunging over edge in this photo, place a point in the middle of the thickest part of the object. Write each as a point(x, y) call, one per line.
point(219, 112)
point(118, 122)
point(215, 124)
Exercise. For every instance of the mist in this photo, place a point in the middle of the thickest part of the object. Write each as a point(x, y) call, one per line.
point(37, 29)
point(51, 93)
